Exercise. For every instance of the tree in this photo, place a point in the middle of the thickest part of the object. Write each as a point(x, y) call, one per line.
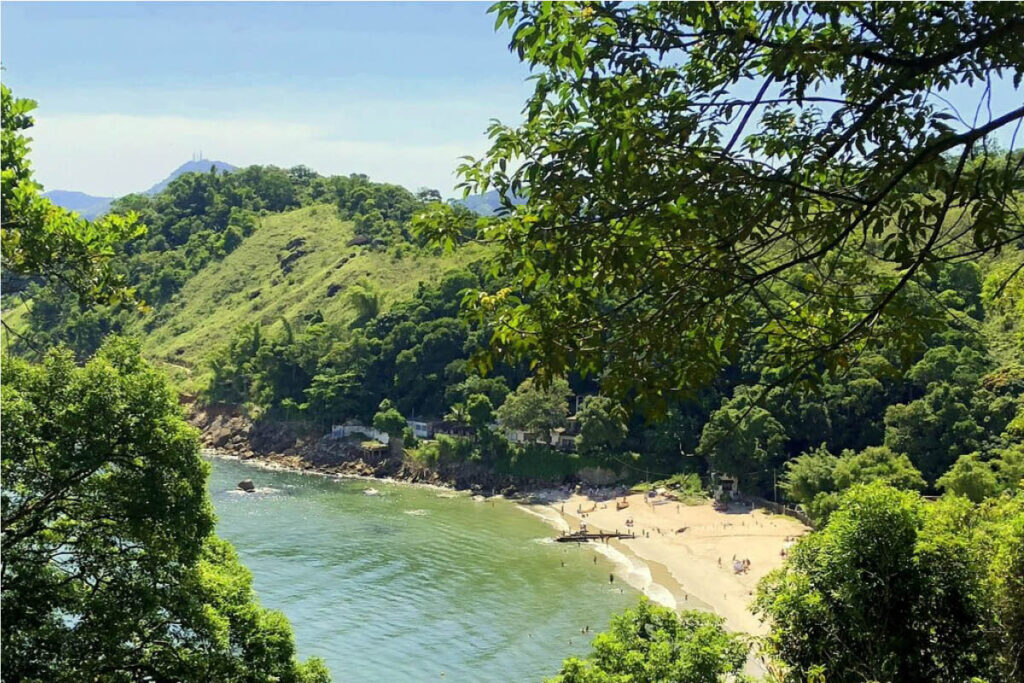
point(888, 590)
point(809, 474)
point(535, 409)
point(744, 440)
point(479, 410)
point(110, 567)
point(1001, 536)
point(603, 426)
point(389, 420)
point(649, 644)
point(366, 301)
point(877, 463)
point(933, 430)
point(40, 239)
point(704, 179)
point(970, 476)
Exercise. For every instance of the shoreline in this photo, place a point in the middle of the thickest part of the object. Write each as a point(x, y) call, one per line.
point(275, 464)
point(670, 568)
point(687, 542)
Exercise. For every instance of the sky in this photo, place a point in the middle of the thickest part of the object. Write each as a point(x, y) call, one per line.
point(127, 92)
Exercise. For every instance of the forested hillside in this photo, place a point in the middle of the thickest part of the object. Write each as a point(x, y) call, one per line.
point(812, 288)
point(262, 245)
point(307, 298)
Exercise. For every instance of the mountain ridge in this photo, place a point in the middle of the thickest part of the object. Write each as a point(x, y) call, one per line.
point(93, 206)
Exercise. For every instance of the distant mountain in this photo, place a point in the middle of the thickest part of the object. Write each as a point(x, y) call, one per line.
point(486, 204)
point(90, 206)
point(201, 166)
point(87, 205)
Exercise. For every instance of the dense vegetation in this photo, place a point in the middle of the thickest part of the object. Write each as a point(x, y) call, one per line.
point(896, 589)
point(197, 220)
point(651, 643)
point(815, 288)
point(110, 568)
point(708, 181)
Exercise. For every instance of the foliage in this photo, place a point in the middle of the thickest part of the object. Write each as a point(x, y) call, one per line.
point(111, 570)
point(650, 643)
point(742, 439)
point(1001, 536)
point(892, 589)
point(603, 425)
point(389, 420)
point(809, 474)
point(971, 477)
point(535, 409)
point(41, 240)
point(367, 303)
point(479, 410)
point(706, 180)
point(877, 463)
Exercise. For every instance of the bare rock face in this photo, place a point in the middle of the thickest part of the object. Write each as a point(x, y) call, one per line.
point(247, 485)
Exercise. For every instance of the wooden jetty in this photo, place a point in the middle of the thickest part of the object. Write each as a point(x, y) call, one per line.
point(585, 536)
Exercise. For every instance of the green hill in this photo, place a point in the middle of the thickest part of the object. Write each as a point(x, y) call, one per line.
point(292, 265)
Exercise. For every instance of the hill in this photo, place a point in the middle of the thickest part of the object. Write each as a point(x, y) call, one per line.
point(87, 205)
point(293, 265)
point(200, 166)
point(91, 206)
point(486, 204)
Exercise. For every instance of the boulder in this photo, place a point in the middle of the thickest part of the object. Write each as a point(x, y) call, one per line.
point(247, 486)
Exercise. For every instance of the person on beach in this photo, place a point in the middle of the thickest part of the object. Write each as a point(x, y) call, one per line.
point(611, 578)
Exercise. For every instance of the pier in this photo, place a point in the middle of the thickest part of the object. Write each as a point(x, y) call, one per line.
point(585, 536)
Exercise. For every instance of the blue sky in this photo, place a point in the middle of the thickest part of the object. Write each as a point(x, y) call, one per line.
point(399, 91)
point(127, 91)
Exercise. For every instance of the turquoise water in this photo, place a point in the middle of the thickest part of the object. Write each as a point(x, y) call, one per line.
point(412, 584)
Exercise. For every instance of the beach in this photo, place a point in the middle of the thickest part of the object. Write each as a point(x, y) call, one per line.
point(695, 545)
point(690, 569)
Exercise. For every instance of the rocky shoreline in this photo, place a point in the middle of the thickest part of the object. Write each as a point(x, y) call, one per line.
point(293, 446)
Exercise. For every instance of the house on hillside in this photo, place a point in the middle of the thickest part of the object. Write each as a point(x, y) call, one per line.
point(421, 430)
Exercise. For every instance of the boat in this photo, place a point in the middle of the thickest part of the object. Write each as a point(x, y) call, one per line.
point(371, 492)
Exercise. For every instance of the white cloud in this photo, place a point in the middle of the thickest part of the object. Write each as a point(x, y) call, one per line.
point(113, 154)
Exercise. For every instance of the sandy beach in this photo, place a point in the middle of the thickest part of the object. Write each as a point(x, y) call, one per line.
point(696, 545)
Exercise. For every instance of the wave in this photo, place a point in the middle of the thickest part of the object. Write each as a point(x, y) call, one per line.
point(637, 574)
point(631, 569)
point(548, 515)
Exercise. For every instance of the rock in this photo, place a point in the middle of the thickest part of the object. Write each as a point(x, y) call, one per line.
point(247, 486)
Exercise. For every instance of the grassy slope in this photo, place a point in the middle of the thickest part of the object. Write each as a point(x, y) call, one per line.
point(250, 285)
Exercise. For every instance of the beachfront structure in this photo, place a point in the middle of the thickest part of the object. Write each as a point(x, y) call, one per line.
point(346, 430)
point(421, 430)
point(562, 438)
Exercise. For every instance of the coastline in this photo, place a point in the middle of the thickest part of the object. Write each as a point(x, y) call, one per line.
point(687, 561)
point(673, 569)
point(677, 570)
point(281, 463)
